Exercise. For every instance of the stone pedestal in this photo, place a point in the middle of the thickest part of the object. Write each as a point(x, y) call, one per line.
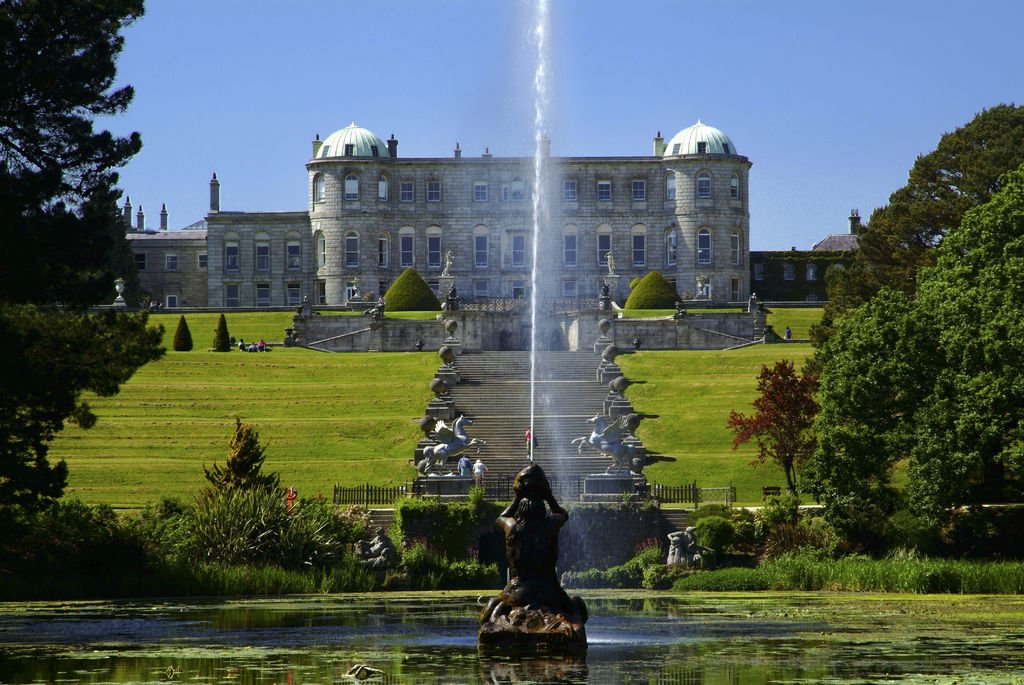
point(448, 374)
point(608, 371)
point(442, 408)
point(604, 487)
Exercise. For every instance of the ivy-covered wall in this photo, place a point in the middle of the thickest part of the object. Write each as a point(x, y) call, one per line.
point(793, 275)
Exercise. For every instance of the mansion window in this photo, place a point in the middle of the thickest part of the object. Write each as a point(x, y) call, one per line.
point(434, 251)
point(518, 250)
point(734, 289)
point(294, 293)
point(569, 288)
point(406, 191)
point(294, 255)
point(262, 294)
point(351, 250)
point(405, 250)
point(480, 288)
point(759, 271)
point(702, 147)
point(670, 186)
point(604, 191)
point(569, 249)
point(518, 189)
point(604, 246)
point(171, 302)
point(480, 249)
point(639, 191)
point(734, 187)
point(350, 150)
point(639, 249)
point(231, 262)
point(569, 191)
point(704, 185)
point(321, 292)
point(351, 187)
point(321, 250)
point(671, 244)
point(263, 256)
point(171, 262)
point(202, 261)
point(383, 248)
point(231, 295)
point(140, 261)
point(433, 191)
point(789, 271)
point(734, 248)
point(812, 272)
point(480, 192)
point(319, 188)
point(704, 246)
point(382, 189)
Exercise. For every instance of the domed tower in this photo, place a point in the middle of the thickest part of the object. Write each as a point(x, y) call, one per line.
point(708, 180)
point(349, 188)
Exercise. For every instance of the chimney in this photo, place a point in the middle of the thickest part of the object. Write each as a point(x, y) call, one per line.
point(659, 145)
point(317, 144)
point(126, 212)
point(392, 146)
point(163, 217)
point(855, 225)
point(214, 194)
point(487, 153)
point(140, 220)
point(545, 145)
point(458, 150)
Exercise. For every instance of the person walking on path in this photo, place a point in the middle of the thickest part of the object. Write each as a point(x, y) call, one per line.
point(478, 472)
point(465, 466)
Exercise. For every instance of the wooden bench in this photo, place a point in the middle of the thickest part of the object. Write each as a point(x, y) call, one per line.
point(770, 491)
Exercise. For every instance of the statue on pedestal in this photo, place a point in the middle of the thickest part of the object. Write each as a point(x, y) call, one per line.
point(533, 611)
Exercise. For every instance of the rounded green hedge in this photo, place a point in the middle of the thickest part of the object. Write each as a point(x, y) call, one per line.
point(652, 292)
point(410, 293)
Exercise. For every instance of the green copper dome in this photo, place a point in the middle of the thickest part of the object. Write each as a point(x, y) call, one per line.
point(352, 141)
point(699, 139)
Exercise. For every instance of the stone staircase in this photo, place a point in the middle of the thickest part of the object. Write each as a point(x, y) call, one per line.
point(495, 393)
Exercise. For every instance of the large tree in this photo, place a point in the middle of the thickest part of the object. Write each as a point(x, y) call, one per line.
point(936, 381)
point(963, 171)
point(62, 239)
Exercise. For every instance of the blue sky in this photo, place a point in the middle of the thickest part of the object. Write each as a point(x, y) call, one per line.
point(831, 101)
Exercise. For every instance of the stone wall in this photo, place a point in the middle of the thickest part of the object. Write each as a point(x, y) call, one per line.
point(605, 535)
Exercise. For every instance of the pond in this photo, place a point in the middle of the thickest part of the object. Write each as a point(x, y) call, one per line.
point(634, 637)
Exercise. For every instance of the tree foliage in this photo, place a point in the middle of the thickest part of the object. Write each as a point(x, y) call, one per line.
point(652, 292)
point(934, 381)
point(63, 240)
point(410, 293)
point(182, 336)
point(964, 171)
point(221, 338)
point(783, 421)
point(243, 469)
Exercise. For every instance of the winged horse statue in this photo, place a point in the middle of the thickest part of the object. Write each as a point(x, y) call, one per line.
point(607, 438)
point(451, 441)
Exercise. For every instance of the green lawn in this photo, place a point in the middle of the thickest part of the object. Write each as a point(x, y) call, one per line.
point(351, 418)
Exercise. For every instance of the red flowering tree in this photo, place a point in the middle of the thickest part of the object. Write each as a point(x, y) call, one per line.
point(783, 422)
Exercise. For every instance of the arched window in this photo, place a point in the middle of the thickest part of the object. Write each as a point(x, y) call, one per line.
point(382, 189)
point(734, 248)
point(734, 187)
point(351, 187)
point(638, 244)
point(703, 185)
point(670, 186)
point(319, 188)
point(703, 246)
point(570, 246)
point(321, 250)
point(671, 245)
point(351, 250)
point(406, 246)
point(384, 249)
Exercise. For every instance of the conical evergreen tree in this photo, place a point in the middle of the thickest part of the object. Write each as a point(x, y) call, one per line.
point(222, 341)
point(410, 293)
point(242, 470)
point(182, 336)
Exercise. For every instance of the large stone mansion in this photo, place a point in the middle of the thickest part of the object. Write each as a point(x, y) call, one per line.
point(682, 211)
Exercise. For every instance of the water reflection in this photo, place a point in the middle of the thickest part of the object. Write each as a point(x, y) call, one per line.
point(634, 638)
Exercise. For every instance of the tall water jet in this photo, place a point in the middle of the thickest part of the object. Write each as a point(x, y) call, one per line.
point(540, 36)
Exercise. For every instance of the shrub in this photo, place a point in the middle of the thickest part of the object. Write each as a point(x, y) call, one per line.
point(725, 580)
point(652, 292)
point(625, 576)
point(781, 509)
point(182, 337)
point(429, 569)
point(663, 576)
point(243, 468)
point(410, 293)
point(221, 339)
point(714, 532)
point(634, 282)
